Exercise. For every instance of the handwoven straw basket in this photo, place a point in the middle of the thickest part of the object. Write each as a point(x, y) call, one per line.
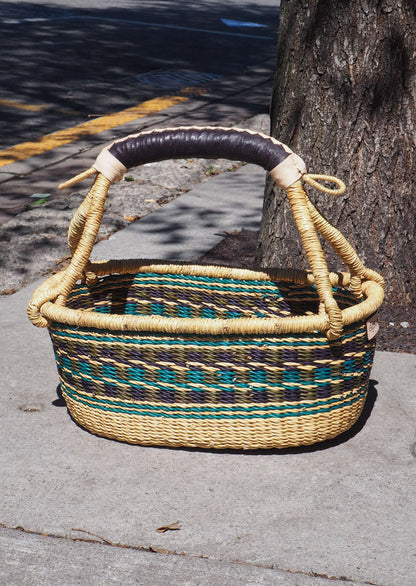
point(204, 356)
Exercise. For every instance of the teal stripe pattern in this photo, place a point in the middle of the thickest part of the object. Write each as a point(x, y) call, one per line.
point(195, 296)
point(206, 369)
point(219, 412)
point(154, 384)
point(202, 377)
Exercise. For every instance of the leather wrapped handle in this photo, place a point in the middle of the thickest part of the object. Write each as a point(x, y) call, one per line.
point(208, 142)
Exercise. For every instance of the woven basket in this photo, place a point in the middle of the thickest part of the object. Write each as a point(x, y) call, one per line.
point(191, 355)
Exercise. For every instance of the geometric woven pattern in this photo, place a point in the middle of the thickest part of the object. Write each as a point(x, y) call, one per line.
point(195, 377)
point(199, 296)
point(196, 370)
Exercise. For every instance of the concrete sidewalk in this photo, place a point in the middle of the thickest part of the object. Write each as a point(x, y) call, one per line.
point(79, 509)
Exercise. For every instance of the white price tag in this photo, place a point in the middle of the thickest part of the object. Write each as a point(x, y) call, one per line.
point(372, 327)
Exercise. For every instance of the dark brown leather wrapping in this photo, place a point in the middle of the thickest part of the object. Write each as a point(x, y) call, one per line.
point(209, 143)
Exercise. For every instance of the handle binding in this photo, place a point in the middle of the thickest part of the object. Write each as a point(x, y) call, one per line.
point(208, 142)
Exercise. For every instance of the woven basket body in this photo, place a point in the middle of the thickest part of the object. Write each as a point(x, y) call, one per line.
point(210, 391)
point(212, 357)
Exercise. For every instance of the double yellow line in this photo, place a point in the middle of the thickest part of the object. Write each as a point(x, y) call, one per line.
point(51, 141)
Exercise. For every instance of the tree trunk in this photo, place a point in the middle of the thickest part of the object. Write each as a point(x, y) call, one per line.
point(344, 100)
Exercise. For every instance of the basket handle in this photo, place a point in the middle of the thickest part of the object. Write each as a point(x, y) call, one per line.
point(209, 143)
point(285, 167)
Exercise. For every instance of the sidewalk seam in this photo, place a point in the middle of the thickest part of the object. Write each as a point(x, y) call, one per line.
point(161, 551)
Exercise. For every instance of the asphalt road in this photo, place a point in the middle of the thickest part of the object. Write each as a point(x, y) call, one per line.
point(66, 63)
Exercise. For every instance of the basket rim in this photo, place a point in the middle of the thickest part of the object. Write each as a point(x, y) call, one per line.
point(49, 291)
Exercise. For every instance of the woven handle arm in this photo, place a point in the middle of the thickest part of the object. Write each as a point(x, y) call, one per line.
point(285, 167)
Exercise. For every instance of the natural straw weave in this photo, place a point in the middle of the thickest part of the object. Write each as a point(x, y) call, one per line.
point(178, 354)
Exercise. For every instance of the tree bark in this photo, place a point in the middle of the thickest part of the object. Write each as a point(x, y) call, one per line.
point(344, 100)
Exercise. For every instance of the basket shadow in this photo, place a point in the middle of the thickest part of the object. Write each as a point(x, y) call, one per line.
point(60, 401)
point(325, 445)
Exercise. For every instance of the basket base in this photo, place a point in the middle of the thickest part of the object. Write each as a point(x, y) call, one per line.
point(237, 434)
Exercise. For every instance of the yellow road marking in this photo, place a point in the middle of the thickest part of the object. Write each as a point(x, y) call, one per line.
point(51, 141)
point(19, 106)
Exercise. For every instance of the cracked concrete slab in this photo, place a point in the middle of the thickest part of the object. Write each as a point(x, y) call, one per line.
point(39, 559)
